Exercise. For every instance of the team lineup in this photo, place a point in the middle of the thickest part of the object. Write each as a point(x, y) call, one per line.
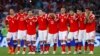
point(51, 26)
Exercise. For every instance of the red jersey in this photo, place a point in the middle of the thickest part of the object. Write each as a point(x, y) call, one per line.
point(21, 21)
point(31, 25)
point(42, 22)
point(91, 26)
point(12, 23)
point(73, 23)
point(81, 19)
point(62, 23)
point(52, 25)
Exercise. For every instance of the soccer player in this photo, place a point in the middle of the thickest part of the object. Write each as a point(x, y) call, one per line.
point(52, 31)
point(11, 22)
point(21, 16)
point(42, 31)
point(31, 32)
point(62, 25)
point(82, 27)
point(90, 29)
point(73, 33)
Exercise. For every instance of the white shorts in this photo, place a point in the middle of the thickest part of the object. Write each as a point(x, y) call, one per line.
point(42, 35)
point(90, 35)
point(22, 34)
point(31, 37)
point(72, 35)
point(63, 35)
point(81, 35)
point(52, 38)
point(12, 35)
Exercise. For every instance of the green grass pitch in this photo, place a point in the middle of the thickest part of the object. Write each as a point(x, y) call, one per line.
point(3, 52)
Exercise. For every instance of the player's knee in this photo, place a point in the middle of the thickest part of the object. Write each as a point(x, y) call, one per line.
point(92, 40)
point(33, 42)
point(8, 39)
point(68, 39)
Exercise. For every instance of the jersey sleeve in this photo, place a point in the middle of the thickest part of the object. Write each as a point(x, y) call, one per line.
point(35, 19)
point(92, 16)
point(6, 21)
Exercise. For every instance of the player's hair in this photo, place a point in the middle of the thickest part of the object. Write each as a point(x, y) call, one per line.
point(63, 8)
point(50, 11)
point(89, 8)
point(52, 15)
point(21, 8)
point(80, 8)
point(71, 8)
point(31, 10)
point(11, 8)
point(40, 9)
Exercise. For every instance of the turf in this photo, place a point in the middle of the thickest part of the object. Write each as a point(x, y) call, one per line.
point(3, 52)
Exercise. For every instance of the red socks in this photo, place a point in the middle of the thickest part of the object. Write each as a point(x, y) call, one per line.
point(76, 48)
point(33, 48)
point(55, 47)
point(24, 49)
point(80, 45)
point(76, 45)
point(63, 47)
point(86, 46)
point(18, 47)
point(41, 47)
point(45, 47)
point(48, 47)
point(9, 47)
point(30, 48)
point(91, 46)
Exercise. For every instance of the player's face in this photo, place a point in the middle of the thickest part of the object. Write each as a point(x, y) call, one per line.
point(87, 11)
point(21, 11)
point(63, 10)
point(30, 13)
point(41, 12)
point(79, 11)
point(25, 12)
point(52, 15)
point(11, 11)
point(71, 12)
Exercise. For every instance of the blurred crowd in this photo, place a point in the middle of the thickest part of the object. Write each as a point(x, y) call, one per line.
point(47, 5)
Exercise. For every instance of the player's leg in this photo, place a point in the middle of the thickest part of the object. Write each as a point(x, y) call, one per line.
point(60, 38)
point(49, 39)
point(9, 35)
point(55, 40)
point(70, 36)
point(91, 46)
point(76, 42)
point(25, 42)
point(89, 41)
point(80, 35)
point(63, 41)
point(86, 46)
point(86, 41)
point(41, 41)
point(19, 38)
point(33, 38)
point(14, 42)
point(45, 41)
point(28, 39)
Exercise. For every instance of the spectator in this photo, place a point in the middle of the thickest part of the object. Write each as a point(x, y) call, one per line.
point(4, 31)
point(53, 5)
point(45, 4)
point(39, 4)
